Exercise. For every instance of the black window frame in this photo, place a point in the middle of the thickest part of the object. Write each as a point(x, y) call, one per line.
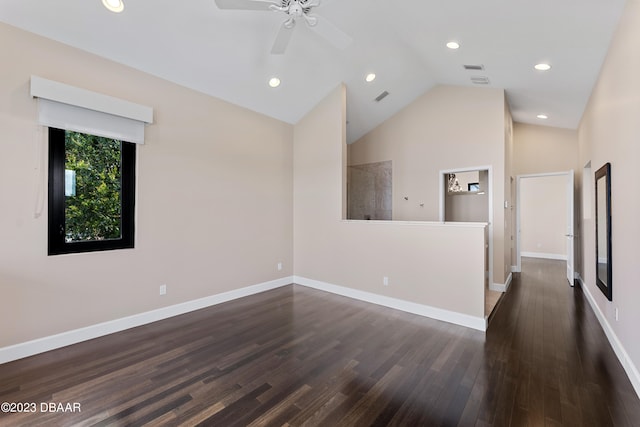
point(56, 234)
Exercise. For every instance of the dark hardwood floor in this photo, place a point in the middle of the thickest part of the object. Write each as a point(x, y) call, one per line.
point(296, 356)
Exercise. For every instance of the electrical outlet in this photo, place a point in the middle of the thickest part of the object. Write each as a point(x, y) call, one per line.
point(163, 289)
point(616, 314)
point(279, 266)
point(385, 281)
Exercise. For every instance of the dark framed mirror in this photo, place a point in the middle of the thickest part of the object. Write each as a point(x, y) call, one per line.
point(603, 230)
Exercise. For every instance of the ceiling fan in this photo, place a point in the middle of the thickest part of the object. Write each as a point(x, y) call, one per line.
point(295, 10)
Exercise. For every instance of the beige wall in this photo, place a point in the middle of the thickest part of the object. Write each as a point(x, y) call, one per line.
point(543, 216)
point(214, 199)
point(421, 260)
point(509, 194)
point(609, 132)
point(543, 149)
point(447, 128)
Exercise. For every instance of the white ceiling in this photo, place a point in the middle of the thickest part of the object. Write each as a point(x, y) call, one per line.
point(226, 53)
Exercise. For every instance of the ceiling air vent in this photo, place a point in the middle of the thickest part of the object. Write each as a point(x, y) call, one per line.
point(480, 80)
point(479, 67)
point(382, 96)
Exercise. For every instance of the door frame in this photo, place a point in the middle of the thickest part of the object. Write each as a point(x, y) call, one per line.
point(569, 209)
point(489, 169)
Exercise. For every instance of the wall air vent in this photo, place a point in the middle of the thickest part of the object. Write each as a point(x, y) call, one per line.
point(382, 96)
point(480, 80)
point(479, 67)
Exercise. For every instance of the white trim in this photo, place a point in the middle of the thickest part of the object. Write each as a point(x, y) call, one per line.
point(40, 345)
point(624, 358)
point(66, 94)
point(561, 257)
point(478, 323)
point(514, 269)
point(519, 255)
point(541, 175)
point(502, 287)
point(416, 223)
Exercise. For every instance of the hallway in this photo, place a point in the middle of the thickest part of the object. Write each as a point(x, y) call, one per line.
point(549, 360)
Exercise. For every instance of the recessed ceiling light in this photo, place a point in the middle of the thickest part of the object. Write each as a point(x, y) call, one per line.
point(542, 67)
point(116, 6)
point(274, 82)
point(370, 77)
point(542, 116)
point(453, 45)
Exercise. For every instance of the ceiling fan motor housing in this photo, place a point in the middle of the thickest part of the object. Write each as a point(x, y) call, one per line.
point(295, 10)
point(298, 7)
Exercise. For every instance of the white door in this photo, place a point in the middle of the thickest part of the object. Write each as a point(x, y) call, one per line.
point(570, 230)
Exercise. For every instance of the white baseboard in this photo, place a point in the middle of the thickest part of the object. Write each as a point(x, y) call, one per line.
point(502, 287)
point(628, 365)
point(30, 348)
point(515, 269)
point(560, 257)
point(41, 345)
point(478, 323)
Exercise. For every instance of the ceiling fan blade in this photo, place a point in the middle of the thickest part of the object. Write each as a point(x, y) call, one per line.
point(282, 39)
point(331, 33)
point(246, 4)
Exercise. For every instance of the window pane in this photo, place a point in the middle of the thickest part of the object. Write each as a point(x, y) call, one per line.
point(93, 208)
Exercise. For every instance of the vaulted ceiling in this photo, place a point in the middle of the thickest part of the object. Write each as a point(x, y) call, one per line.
point(226, 53)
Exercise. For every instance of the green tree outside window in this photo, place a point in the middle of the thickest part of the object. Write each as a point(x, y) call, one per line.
point(93, 209)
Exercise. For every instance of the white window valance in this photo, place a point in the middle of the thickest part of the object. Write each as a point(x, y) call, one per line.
point(67, 107)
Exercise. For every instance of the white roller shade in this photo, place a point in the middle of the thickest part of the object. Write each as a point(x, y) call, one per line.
point(65, 116)
point(67, 107)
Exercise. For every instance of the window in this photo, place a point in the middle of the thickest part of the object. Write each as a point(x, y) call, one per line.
point(473, 187)
point(91, 192)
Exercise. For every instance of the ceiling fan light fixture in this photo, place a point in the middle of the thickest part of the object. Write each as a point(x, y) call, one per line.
point(274, 82)
point(453, 45)
point(370, 77)
point(542, 116)
point(542, 67)
point(115, 6)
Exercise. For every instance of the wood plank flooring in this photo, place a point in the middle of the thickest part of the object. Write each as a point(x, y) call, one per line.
point(296, 356)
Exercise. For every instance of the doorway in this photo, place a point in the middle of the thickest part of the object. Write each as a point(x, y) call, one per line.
point(545, 218)
point(466, 195)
